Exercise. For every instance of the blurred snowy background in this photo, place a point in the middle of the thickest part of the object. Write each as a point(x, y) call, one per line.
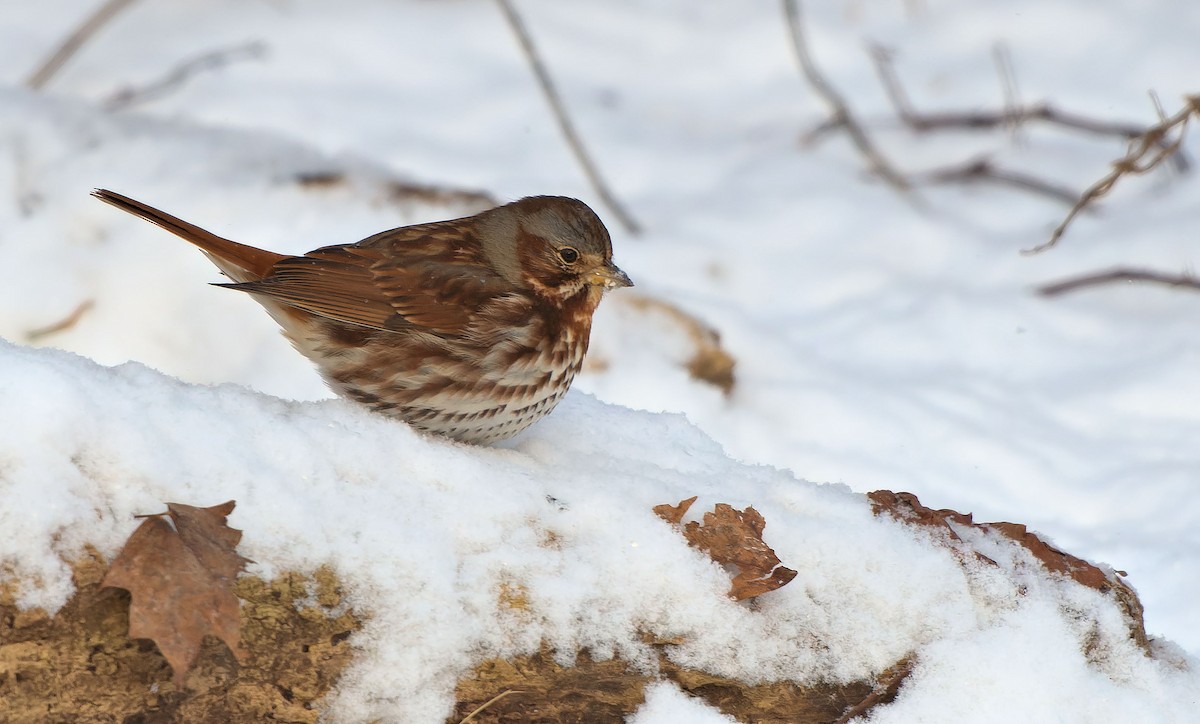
point(881, 340)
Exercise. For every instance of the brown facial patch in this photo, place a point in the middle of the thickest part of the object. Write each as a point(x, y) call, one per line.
point(541, 269)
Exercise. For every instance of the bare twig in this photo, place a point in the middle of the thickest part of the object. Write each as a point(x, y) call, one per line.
point(1145, 153)
point(75, 41)
point(1120, 274)
point(1008, 116)
point(1008, 83)
point(984, 170)
point(842, 118)
point(1158, 106)
point(1148, 147)
point(811, 136)
point(564, 122)
point(488, 703)
point(973, 170)
point(181, 73)
point(63, 324)
point(709, 361)
point(885, 690)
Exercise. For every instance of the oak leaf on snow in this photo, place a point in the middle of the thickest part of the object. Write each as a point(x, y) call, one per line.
point(180, 574)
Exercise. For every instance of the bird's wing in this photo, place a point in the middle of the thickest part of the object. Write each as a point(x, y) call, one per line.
point(431, 277)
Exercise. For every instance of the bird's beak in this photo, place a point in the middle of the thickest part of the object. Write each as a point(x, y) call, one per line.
point(609, 277)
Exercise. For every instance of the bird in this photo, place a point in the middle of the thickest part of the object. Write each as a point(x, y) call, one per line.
point(472, 328)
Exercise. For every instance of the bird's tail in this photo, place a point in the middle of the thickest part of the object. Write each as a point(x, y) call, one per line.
point(240, 262)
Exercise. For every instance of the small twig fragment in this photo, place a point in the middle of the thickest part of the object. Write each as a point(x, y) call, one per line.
point(63, 324)
point(1120, 274)
point(564, 122)
point(1145, 153)
point(885, 690)
point(984, 170)
point(842, 117)
point(1008, 83)
point(1009, 116)
point(180, 74)
point(74, 42)
point(488, 703)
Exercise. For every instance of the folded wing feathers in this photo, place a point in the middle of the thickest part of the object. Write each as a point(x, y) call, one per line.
point(342, 283)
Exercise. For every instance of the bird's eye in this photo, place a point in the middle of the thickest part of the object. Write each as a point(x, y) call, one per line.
point(568, 255)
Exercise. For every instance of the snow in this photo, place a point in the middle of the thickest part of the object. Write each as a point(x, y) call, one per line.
point(880, 344)
point(428, 534)
point(665, 701)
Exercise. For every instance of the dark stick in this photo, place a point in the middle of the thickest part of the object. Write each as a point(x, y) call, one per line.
point(181, 73)
point(1155, 142)
point(564, 122)
point(75, 41)
point(1011, 115)
point(63, 324)
point(983, 170)
point(885, 690)
point(1008, 82)
point(1120, 274)
point(841, 112)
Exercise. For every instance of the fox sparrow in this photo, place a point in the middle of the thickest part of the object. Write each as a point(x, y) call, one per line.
point(472, 328)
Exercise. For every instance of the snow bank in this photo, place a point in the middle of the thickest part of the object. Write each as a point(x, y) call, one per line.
point(892, 348)
point(425, 533)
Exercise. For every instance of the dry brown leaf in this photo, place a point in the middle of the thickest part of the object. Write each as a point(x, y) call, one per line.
point(733, 538)
point(709, 361)
point(673, 514)
point(180, 578)
point(907, 508)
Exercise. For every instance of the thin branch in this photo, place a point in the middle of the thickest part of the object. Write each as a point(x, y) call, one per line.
point(973, 170)
point(883, 692)
point(489, 702)
point(1008, 83)
point(986, 119)
point(184, 71)
point(1145, 153)
point(564, 122)
point(75, 41)
point(841, 112)
point(811, 136)
point(984, 170)
point(709, 361)
point(63, 324)
point(1120, 274)
point(1158, 106)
